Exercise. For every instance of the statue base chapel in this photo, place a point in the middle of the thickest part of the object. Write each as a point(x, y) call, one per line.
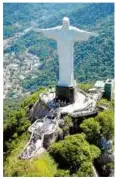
point(65, 94)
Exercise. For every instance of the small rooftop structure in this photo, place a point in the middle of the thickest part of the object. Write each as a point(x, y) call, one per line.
point(109, 89)
point(99, 84)
point(106, 87)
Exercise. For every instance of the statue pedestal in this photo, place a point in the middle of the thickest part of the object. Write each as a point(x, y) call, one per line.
point(65, 93)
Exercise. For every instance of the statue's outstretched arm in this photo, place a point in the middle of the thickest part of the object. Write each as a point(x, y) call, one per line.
point(39, 30)
point(83, 35)
point(49, 32)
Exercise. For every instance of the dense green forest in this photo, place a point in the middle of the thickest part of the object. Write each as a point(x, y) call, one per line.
point(72, 156)
point(93, 60)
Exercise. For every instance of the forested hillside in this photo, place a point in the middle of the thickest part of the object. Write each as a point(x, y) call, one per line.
point(93, 60)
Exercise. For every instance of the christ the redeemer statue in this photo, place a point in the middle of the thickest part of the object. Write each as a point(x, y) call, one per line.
point(65, 36)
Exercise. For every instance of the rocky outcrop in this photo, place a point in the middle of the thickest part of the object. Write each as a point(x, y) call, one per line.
point(105, 158)
point(111, 173)
point(105, 165)
point(49, 139)
point(39, 110)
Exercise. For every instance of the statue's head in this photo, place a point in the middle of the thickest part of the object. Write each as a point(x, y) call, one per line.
point(66, 22)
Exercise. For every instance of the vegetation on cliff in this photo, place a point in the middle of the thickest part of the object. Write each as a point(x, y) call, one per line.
point(100, 126)
point(72, 156)
point(16, 119)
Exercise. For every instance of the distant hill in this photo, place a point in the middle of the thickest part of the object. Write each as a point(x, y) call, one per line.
point(93, 60)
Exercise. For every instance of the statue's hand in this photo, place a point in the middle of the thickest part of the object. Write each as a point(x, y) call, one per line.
point(28, 29)
point(95, 34)
point(34, 27)
point(37, 30)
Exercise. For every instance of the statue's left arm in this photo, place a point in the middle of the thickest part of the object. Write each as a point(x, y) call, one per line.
point(82, 35)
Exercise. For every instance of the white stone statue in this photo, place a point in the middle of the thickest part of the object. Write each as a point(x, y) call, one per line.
point(65, 36)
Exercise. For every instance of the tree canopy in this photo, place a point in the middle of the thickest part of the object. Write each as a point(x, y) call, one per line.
point(106, 121)
point(73, 151)
point(91, 128)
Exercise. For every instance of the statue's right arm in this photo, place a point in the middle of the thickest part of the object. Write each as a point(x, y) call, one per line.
point(38, 30)
point(49, 32)
point(34, 30)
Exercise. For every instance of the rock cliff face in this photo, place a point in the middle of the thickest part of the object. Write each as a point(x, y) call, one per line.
point(49, 139)
point(39, 110)
point(105, 158)
point(102, 164)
